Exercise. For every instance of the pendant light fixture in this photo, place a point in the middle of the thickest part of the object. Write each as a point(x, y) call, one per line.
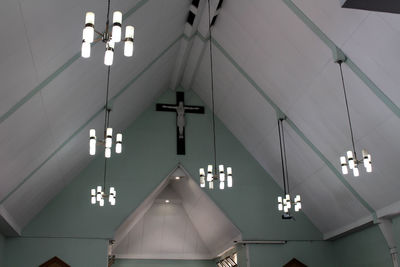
point(98, 195)
point(352, 161)
point(108, 131)
point(221, 177)
point(285, 203)
point(109, 37)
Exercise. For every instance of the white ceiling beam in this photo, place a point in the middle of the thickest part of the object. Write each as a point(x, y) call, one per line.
point(190, 30)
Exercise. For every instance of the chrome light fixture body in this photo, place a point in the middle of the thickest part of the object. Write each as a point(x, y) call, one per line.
point(350, 161)
point(110, 36)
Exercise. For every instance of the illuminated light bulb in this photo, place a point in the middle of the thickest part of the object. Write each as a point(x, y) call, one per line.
point(297, 198)
point(101, 202)
point(279, 199)
point(230, 181)
point(356, 173)
point(92, 146)
point(229, 171)
point(116, 29)
point(289, 204)
point(222, 185)
point(86, 48)
point(93, 200)
point(109, 54)
point(343, 163)
point(99, 194)
point(88, 31)
point(369, 168)
point(211, 185)
point(209, 173)
point(287, 197)
point(296, 208)
point(107, 152)
point(128, 46)
point(280, 207)
point(108, 143)
point(202, 182)
point(118, 146)
point(286, 209)
point(351, 159)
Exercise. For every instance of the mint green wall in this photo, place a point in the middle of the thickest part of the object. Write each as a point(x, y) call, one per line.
point(149, 155)
point(2, 247)
point(396, 231)
point(24, 252)
point(310, 253)
point(162, 263)
point(367, 248)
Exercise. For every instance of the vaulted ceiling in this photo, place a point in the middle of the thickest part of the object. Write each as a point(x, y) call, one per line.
point(270, 57)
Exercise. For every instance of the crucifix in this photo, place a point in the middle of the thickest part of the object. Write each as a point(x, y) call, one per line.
point(180, 109)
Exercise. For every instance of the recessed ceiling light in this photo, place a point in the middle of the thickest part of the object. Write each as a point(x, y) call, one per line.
point(167, 201)
point(177, 177)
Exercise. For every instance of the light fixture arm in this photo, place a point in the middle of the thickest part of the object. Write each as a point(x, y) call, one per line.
point(347, 107)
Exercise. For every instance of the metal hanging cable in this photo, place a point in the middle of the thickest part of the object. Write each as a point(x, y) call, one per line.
point(282, 157)
point(347, 108)
point(212, 85)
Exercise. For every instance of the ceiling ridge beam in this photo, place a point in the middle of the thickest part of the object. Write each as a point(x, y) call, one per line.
point(120, 92)
point(56, 73)
point(357, 71)
point(279, 112)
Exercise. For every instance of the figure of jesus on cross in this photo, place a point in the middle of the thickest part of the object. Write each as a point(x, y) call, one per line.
point(180, 110)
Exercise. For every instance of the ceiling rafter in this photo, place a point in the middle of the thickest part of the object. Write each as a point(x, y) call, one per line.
point(56, 73)
point(360, 74)
point(279, 112)
point(111, 101)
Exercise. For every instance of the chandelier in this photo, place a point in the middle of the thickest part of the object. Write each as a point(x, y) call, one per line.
point(98, 195)
point(213, 175)
point(352, 161)
point(110, 38)
point(286, 203)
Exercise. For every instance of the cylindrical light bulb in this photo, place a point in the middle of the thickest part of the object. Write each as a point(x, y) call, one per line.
point(230, 181)
point(356, 173)
point(209, 168)
point(85, 51)
point(211, 185)
point(222, 185)
point(101, 202)
point(107, 152)
point(92, 133)
point(202, 182)
point(280, 207)
point(118, 148)
point(89, 18)
point(201, 172)
point(93, 192)
point(222, 177)
point(344, 169)
point(119, 137)
point(229, 171)
point(129, 32)
point(369, 168)
point(98, 189)
point(221, 168)
point(279, 199)
point(349, 154)
point(92, 147)
point(93, 200)
point(128, 48)
point(116, 29)
point(108, 57)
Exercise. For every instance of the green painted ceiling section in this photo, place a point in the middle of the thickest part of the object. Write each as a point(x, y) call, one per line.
point(149, 156)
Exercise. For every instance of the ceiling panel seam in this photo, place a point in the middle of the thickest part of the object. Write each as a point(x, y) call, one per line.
point(279, 112)
point(360, 74)
point(120, 92)
point(54, 75)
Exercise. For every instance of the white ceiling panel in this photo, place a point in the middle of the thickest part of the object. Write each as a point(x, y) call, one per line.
point(328, 203)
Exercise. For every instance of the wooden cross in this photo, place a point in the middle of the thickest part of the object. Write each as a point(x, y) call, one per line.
point(180, 109)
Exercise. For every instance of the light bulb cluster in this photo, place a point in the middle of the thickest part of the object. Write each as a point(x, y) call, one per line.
point(110, 39)
point(352, 162)
point(285, 204)
point(108, 140)
point(98, 196)
point(211, 177)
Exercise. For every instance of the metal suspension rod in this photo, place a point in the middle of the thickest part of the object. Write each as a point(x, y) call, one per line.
point(347, 109)
point(107, 111)
point(212, 87)
point(284, 154)
point(280, 146)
